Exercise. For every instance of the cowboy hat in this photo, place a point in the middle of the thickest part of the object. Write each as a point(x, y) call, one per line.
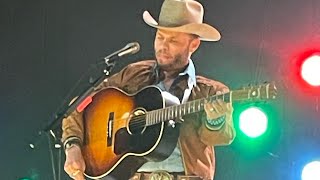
point(183, 16)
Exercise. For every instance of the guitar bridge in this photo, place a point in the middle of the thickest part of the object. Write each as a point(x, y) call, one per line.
point(110, 128)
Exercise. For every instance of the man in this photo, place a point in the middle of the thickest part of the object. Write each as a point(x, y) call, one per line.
point(179, 32)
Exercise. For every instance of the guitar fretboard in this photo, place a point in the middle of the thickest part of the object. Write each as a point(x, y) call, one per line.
point(176, 111)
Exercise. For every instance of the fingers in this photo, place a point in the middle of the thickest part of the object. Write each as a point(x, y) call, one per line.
point(218, 107)
point(74, 171)
point(209, 108)
point(76, 174)
point(74, 164)
point(211, 111)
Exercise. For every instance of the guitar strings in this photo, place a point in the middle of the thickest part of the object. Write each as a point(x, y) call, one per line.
point(139, 121)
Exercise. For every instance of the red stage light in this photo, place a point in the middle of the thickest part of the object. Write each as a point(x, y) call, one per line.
point(310, 70)
point(305, 74)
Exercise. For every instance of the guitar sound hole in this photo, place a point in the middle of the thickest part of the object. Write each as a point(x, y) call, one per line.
point(137, 123)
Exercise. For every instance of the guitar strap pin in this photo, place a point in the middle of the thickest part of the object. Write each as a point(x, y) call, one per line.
point(172, 123)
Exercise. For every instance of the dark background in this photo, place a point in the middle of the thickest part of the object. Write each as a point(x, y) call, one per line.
point(46, 46)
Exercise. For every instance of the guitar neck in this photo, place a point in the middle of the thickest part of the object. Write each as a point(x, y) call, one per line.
point(172, 112)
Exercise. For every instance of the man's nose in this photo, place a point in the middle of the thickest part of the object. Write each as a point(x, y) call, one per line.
point(164, 45)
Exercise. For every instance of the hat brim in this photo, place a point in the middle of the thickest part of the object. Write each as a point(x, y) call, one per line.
point(204, 31)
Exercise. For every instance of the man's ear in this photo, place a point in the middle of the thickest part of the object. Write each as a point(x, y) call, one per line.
point(194, 45)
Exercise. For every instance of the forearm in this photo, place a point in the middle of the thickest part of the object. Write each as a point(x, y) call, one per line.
point(72, 128)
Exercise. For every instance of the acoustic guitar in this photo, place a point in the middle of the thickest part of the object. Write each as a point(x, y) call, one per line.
point(123, 131)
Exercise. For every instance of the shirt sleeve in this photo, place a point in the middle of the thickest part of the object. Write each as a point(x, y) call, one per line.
point(222, 134)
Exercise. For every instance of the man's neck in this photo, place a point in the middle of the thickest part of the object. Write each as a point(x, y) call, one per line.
point(169, 76)
point(172, 74)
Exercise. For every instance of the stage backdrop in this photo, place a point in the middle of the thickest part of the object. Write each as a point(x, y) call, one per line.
point(49, 51)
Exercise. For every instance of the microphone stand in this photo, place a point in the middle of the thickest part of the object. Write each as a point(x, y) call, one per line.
point(67, 110)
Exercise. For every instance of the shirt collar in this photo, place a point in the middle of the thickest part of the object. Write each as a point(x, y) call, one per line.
point(190, 70)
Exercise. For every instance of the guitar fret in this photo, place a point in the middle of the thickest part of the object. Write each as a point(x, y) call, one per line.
point(172, 112)
point(176, 111)
point(163, 114)
point(147, 119)
point(185, 109)
point(150, 119)
point(153, 117)
point(167, 114)
point(194, 106)
point(182, 110)
point(157, 116)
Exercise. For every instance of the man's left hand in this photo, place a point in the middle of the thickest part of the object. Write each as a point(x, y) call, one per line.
point(217, 109)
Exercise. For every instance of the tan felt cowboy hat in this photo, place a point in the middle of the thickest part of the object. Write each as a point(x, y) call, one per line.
point(183, 16)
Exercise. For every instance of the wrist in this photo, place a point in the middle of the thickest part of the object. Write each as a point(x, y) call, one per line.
point(71, 142)
point(215, 124)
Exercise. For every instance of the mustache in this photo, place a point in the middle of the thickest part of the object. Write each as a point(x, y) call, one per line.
point(161, 52)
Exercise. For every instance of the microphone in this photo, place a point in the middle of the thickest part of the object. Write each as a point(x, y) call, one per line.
point(130, 48)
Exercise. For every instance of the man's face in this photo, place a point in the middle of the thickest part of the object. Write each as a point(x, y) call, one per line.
point(172, 49)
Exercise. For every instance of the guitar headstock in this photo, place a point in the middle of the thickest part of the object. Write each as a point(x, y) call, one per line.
point(266, 91)
point(262, 92)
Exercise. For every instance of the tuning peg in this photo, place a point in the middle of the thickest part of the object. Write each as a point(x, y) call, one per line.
point(247, 87)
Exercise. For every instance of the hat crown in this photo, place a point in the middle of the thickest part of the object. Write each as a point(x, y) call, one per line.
point(184, 16)
point(180, 12)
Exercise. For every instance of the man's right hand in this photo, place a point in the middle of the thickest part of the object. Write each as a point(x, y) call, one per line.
point(74, 164)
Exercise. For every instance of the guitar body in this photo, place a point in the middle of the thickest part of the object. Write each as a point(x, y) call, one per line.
point(116, 140)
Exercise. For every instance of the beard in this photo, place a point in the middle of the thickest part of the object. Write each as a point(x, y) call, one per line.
point(173, 63)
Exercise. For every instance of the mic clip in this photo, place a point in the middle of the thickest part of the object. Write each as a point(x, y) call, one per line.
point(130, 48)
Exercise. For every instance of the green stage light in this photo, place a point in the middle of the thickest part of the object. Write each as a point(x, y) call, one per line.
point(253, 122)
